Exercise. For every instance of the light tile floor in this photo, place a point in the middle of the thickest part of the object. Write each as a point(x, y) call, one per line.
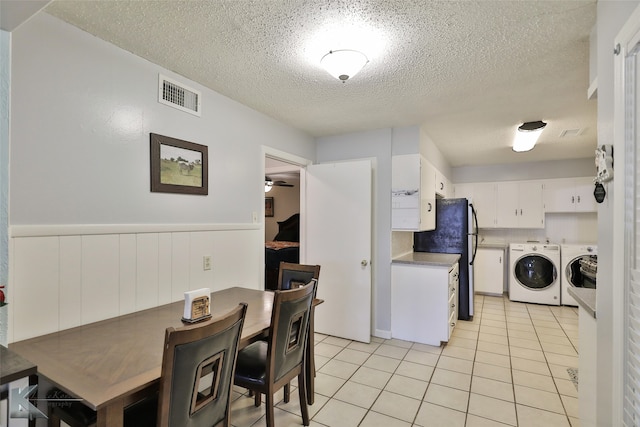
point(506, 367)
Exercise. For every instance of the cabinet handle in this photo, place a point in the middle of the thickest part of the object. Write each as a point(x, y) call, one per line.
point(453, 306)
point(500, 260)
point(572, 199)
point(578, 199)
point(520, 212)
point(516, 212)
point(429, 203)
point(442, 185)
point(453, 324)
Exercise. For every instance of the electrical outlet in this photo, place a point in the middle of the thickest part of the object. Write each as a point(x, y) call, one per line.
point(206, 262)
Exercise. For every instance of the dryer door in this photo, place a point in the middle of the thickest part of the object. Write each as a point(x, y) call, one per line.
point(535, 272)
point(574, 275)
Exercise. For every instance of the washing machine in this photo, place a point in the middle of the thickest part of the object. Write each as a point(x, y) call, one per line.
point(534, 273)
point(571, 275)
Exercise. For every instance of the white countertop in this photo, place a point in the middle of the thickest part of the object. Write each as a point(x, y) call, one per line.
point(585, 297)
point(427, 258)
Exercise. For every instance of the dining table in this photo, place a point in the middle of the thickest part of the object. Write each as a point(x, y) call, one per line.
point(115, 362)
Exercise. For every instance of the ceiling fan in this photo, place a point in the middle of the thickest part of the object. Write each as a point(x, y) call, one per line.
point(269, 183)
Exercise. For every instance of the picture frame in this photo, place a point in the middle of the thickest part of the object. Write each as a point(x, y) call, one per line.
point(268, 206)
point(178, 166)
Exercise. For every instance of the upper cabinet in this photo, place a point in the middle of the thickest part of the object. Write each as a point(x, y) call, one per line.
point(483, 197)
point(443, 185)
point(519, 204)
point(413, 197)
point(569, 195)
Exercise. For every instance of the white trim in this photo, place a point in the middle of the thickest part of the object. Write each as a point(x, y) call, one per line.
point(381, 333)
point(96, 229)
point(626, 38)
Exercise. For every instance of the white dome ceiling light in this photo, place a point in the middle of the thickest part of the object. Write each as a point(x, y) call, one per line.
point(344, 64)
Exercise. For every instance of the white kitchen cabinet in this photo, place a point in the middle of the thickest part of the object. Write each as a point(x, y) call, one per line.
point(519, 204)
point(483, 197)
point(413, 197)
point(569, 195)
point(488, 271)
point(442, 185)
point(424, 302)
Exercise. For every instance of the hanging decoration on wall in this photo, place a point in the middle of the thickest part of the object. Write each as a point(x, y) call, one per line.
point(178, 166)
point(604, 163)
point(599, 193)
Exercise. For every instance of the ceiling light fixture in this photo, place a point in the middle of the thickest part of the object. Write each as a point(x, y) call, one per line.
point(527, 135)
point(268, 185)
point(344, 64)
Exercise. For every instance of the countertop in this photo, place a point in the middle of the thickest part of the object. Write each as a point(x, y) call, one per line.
point(427, 258)
point(585, 297)
point(487, 245)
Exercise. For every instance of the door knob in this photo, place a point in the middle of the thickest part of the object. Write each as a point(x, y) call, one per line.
point(364, 263)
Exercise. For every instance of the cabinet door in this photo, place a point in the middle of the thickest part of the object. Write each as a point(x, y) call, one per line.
point(405, 192)
point(559, 195)
point(440, 184)
point(488, 271)
point(507, 205)
point(585, 202)
point(530, 210)
point(427, 195)
point(484, 202)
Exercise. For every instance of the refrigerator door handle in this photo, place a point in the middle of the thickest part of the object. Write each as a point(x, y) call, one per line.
point(475, 220)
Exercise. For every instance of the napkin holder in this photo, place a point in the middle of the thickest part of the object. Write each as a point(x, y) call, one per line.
point(196, 305)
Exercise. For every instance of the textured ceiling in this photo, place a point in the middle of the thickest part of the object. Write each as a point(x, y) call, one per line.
point(468, 72)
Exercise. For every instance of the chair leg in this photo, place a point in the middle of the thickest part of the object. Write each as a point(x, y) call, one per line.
point(302, 393)
point(269, 409)
point(287, 392)
point(257, 399)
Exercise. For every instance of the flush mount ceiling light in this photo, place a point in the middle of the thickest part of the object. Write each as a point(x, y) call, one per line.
point(527, 135)
point(344, 64)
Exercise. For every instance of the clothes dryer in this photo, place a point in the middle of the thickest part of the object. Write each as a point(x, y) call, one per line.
point(533, 273)
point(570, 255)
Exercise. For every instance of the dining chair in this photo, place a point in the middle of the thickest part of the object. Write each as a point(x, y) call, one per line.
point(293, 275)
point(266, 366)
point(197, 375)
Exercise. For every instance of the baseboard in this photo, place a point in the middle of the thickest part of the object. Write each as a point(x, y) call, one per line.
point(380, 333)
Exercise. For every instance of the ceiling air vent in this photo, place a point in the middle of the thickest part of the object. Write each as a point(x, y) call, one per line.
point(177, 95)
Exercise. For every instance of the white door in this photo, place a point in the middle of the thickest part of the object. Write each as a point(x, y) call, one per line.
point(336, 234)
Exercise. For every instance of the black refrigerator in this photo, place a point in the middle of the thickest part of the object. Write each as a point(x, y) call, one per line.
point(455, 233)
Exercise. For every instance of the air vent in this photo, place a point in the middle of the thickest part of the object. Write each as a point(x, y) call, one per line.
point(571, 133)
point(177, 95)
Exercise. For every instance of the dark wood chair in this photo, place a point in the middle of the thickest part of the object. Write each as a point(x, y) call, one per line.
point(293, 275)
point(197, 375)
point(266, 366)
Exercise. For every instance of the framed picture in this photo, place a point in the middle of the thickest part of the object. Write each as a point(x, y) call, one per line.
point(268, 206)
point(178, 166)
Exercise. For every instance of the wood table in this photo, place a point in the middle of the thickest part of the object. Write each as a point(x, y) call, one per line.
point(113, 363)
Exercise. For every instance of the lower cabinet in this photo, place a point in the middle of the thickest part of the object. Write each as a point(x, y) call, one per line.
point(424, 302)
point(488, 271)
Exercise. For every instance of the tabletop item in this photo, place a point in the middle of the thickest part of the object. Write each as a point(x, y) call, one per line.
point(196, 305)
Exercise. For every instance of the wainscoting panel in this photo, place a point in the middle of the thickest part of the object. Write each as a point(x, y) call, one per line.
point(148, 268)
point(59, 281)
point(70, 281)
point(34, 299)
point(100, 277)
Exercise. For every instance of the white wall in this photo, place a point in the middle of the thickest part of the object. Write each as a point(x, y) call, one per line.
point(84, 227)
point(525, 171)
point(377, 144)
point(611, 16)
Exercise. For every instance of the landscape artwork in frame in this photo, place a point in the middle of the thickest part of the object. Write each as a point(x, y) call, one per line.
point(268, 206)
point(178, 166)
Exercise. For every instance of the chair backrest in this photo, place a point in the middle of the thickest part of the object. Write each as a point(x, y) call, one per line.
point(197, 371)
point(289, 329)
point(294, 275)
